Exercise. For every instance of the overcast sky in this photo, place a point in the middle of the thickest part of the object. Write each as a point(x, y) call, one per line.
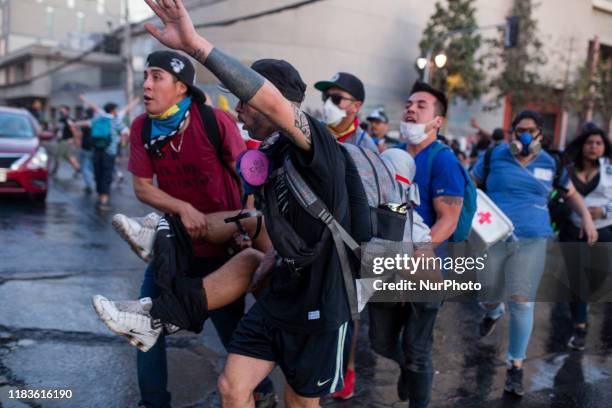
point(139, 10)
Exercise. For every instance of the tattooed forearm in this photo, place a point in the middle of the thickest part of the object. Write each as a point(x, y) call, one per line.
point(198, 55)
point(452, 200)
point(241, 80)
point(301, 122)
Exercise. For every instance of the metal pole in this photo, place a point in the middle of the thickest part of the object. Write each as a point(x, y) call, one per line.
point(427, 73)
point(428, 66)
point(127, 55)
point(592, 90)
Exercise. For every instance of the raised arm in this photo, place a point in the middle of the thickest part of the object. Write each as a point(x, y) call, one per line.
point(250, 87)
point(131, 105)
point(89, 103)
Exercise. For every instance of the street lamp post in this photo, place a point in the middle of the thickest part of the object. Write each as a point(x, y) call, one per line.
point(440, 60)
point(425, 63)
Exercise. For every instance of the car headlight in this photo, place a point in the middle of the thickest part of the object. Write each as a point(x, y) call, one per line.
point(39, 160)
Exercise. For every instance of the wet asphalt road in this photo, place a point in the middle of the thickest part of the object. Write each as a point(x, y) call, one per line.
point(54, 257)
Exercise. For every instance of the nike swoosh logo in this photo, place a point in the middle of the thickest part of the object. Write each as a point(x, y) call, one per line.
point(169, 236)
point(320, 384)
point(137, 332)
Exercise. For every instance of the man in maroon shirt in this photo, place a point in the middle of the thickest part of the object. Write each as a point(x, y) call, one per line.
point(191, 180)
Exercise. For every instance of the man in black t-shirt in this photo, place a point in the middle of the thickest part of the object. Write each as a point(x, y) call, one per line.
point(66, 141)
point(300, 321)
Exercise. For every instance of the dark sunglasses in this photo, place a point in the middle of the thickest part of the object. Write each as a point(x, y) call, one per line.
point(335, 98)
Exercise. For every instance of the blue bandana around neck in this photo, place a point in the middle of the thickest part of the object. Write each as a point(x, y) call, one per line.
point(169, 125)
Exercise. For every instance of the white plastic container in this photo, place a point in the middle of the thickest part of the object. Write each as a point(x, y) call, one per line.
point(490, 225)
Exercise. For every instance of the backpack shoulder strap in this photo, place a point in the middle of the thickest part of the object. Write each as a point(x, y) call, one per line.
point(487, 167)
point(435, 149)
point(558, 171)
point(361, 137)
point(145, 133)
point(209, 121)
point(312, 204)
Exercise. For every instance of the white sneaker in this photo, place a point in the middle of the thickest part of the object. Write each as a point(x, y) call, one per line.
point(138, 232)
point(142, 306)
point(137, 327)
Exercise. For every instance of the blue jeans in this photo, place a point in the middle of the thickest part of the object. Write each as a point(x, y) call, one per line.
point(87, 169)
point(152, 365)
point(513, 272)
point(413, 323)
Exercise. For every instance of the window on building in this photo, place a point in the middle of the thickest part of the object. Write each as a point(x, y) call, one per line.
point(100, 6)
point(110, 77)
point(80, 19)
point(605, 52)
point(49, 20)
point(20, 72)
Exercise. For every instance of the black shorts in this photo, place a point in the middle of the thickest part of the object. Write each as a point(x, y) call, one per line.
point(313, 365)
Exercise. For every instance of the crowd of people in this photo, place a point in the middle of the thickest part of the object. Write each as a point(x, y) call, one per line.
point(236, 220)
point(89, 144)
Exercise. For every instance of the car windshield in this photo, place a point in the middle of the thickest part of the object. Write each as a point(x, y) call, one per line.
point(13, 125)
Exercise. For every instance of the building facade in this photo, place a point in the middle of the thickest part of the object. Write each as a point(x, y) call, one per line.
point(42, 46)
point(378, 42)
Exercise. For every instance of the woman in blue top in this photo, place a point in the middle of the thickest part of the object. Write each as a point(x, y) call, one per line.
point(520, 179)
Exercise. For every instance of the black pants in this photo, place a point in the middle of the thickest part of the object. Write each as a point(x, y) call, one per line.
point(104, 165)
point(413, 323)
point(588, 267)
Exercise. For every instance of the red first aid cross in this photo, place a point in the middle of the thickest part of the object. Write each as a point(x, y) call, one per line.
point(485, 217)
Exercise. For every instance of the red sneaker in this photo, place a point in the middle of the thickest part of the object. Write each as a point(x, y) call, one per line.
point(349, 386)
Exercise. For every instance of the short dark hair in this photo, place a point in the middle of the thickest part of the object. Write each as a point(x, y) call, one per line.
point(498, 134)
point(90, 113)
point(441, 105)
point(109, 107)
point(528, 114)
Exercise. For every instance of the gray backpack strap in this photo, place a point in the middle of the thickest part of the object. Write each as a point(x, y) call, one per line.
point(378, 192)
point(309, 201)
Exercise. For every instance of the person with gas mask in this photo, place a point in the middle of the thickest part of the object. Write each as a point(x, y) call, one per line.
point(518, 177)
point(343, 97)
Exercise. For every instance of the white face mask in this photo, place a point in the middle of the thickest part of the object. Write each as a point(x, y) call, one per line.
point(332, 114)
point(413, 133)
